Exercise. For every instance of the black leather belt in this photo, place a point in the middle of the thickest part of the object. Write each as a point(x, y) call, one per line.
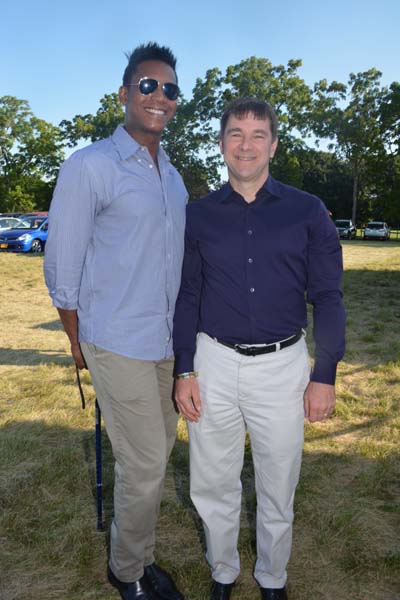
point(256, 350)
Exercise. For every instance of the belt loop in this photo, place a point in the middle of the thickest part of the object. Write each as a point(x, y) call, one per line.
point(277, 346)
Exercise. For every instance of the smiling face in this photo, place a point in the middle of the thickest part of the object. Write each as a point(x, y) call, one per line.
point(247, 146)
point(147, 116)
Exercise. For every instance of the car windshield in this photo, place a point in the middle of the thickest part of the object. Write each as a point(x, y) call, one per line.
point(342, 223)
point(30, 223)
point(375, 226)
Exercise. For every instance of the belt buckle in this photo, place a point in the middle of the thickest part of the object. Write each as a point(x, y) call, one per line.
point(246, 350)
point(242, 349)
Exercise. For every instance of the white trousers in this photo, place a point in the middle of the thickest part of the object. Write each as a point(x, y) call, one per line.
point(263, 394)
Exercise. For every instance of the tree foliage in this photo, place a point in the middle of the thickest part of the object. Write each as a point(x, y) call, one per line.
point(94, 127)
point(358, 122)
point(352, 117)
point(31, 151)
point(180, 140)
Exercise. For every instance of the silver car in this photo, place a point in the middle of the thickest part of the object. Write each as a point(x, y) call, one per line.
point(376, 230)
point(346, 229)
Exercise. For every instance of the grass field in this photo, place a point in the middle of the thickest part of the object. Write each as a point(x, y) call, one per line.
point(346, 536)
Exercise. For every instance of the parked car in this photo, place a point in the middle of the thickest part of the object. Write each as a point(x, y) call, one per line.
point(29, 235)
point(8, 222)
point(346, 229)
point(37, 213)
point(376, 230)
point(11, 214)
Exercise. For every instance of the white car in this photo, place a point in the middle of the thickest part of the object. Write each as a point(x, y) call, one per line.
point(376, 230)
point(8, 223)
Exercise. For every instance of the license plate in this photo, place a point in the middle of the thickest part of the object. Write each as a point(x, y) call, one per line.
point(3, 245)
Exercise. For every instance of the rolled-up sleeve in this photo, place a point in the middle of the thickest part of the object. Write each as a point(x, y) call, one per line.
point(71, 222)
point(324, 292)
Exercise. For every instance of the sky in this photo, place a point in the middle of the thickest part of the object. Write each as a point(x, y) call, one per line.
point(62, 57)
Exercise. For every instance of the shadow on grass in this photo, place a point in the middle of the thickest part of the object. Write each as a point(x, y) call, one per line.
point(31, 255)
point(179, 466)
point(50, 326)
point(29, 357)
point(345, 519)
point(373, 313)
point(371, 424)
point(371, 243)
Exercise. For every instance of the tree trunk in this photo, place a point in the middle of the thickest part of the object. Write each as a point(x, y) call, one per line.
point(355, 194)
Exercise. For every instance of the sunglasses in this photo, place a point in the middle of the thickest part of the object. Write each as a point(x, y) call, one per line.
point(148, 86)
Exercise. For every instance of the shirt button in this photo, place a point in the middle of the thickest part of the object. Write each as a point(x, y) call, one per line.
point(250, 232)
point(252, 290)
point(151, 166)
point(250, 260)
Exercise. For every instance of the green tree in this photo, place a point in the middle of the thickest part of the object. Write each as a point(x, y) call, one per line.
point(329, 177)
point(382, 195)
point(279, 85)
point(31, 151)
point(390, 117)
point(94, 127)
point(356, 128)
point(180, 140)
point(361, 120)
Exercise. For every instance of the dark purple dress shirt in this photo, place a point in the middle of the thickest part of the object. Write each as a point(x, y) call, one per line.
point(250, 268)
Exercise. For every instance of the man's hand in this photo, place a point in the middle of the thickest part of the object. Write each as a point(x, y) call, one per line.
point(78, 356)
point(69, 319)
point(319, 401)
point(187, 398)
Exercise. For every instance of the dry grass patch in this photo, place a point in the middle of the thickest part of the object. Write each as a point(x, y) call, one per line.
point(346, 542)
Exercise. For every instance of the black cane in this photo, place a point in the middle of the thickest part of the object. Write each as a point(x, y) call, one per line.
point(99, 482)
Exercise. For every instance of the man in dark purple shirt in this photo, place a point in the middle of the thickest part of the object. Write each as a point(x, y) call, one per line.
point(256, 251)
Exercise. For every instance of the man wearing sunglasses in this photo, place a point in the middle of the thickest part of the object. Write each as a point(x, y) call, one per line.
point(254, 251)
point(112, 265)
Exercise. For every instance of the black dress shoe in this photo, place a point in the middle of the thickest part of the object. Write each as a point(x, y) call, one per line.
point(221, 591)
point(162, 583)
point(273, 594)
point(135, 590)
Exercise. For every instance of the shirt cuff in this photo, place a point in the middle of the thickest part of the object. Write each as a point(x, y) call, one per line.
point(324, 371)
point(183, 363)
point(64, 298)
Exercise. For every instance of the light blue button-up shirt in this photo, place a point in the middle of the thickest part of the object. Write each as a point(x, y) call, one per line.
point(115, 245)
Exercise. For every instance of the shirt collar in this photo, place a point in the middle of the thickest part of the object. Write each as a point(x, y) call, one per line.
point(127, 146)
point(271, 187)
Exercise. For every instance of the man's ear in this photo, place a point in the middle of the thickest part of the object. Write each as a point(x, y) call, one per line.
point(274, 146)
point(123, 95)
point(221, 146)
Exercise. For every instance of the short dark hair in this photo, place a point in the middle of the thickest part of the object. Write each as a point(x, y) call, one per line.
point(241, 107)
point(150, 51)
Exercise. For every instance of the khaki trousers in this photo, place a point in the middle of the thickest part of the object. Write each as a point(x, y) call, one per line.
point(263, 395)
point(135, 398)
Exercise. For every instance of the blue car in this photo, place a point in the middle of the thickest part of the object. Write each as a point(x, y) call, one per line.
point(29, 235)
